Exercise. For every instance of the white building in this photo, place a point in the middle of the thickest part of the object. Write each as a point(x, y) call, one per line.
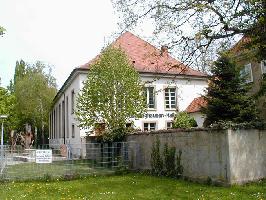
point(194, 110)
point(170, 87)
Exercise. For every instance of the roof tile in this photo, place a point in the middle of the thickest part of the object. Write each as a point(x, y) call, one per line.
point(147, 58)
point(196, 105)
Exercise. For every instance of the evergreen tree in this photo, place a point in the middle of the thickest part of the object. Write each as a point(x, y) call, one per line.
point(227, 95)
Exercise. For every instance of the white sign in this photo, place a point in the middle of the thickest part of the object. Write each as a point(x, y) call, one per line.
point(44, 156)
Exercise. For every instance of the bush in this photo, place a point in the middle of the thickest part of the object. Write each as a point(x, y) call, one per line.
point(169, 161)
point(179, 167)
point(169, 164)
point(156, 160)
point(183, 120)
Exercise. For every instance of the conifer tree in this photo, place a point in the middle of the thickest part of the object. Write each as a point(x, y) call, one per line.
point(227, 95)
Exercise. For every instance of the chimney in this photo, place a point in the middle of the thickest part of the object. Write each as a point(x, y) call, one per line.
point(164, 50)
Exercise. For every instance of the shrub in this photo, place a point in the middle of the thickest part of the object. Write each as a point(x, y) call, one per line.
point(156, 160)
point(169, 160)
point(183, 120)
point(179, 167)
point(169, 164)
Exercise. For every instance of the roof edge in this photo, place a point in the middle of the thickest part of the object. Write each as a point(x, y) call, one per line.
point(68, 81)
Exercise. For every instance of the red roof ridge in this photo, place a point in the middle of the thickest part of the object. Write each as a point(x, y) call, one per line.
point(147, 58)
point(196, 105)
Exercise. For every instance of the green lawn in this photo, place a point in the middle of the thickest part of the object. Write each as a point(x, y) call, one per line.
point(131, 186)
point(31, 170)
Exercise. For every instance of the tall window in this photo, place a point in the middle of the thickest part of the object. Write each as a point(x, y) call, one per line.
point(246, 72)
point(150, 97)
point(72, 101)
point(170, 98)
point(50, 126)
point(54, 118)
point(59, 122)
point(73, 131)
point(67, 118)
point(149, 126)
point(263, 66)
point(63, 119)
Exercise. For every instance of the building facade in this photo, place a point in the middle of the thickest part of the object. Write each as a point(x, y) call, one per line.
point(253, 70)
point(170, 87)
point(195, 110)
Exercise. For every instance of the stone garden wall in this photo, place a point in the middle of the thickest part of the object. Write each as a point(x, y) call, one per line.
point(225, 156)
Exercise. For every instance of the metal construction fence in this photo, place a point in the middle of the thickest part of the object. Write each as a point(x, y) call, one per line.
point(65, 160)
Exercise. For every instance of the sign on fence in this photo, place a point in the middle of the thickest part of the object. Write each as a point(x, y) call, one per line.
point(44, 156)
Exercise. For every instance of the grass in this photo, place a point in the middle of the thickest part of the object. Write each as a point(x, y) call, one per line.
point(33, 170)
point(130, 186)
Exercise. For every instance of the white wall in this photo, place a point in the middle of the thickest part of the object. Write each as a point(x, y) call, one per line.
point(247, 155)
point(187, 90)
point(199, 117)
point(56, 137)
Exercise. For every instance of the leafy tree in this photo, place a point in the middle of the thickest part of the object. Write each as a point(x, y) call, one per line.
point(6, 101)
point(196, 28)
point(183, 120)
point(7, 104)
point(20, 71)
point(35, 89)
point(227, 95)
point(2, 30)
point(111, 94)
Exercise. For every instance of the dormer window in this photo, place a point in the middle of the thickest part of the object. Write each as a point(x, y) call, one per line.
point(246, 73)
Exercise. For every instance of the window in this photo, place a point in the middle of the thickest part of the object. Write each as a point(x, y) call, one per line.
point(263, 66)
point(50, 126)
point(59, 121)
point(170, 98)
point(169, 125)
point(129, 125)
point(72, 101)
point(246, 72)
point(150, 97)
point(149, 126)
point(54, 124)
point(73, 131)
point(67, 118)
point(63, 119)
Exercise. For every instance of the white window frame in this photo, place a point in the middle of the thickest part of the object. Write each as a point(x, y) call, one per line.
point(149, 125)
point(167, 123)
point(247, 73)
point(263, 66)
point(169, 99)
point(148, 96)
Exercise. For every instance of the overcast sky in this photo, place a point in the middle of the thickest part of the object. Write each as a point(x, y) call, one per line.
point(62, 33)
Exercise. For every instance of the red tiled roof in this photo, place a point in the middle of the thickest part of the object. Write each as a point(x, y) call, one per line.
point(196, 105)
point(147, 58)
